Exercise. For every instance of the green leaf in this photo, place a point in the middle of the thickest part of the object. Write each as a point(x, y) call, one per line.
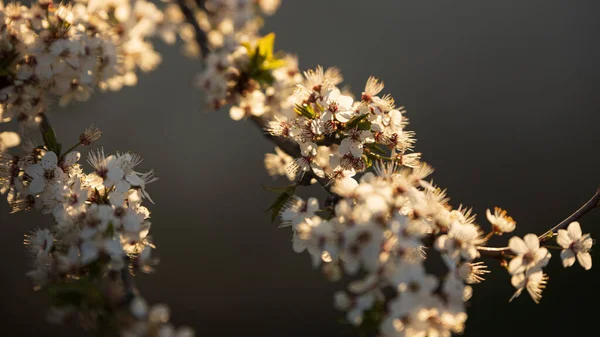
point(285, 193)
point(305, 110)
point(355, 121)
point(266, 45)
point(50, 141)
point(364, 125)
point(377, 148)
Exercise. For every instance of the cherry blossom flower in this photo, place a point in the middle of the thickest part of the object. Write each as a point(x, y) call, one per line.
point(501, 222)
point(530, 256)
point(575, 246)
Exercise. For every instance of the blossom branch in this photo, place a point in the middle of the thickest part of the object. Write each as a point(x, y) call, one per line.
point(592, 203)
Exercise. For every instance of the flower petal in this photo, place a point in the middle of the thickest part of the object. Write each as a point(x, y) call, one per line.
point(568, 258)
point(37, 185)
point(532, 242)
point(517, 245)
point(585, 260)
point(563, 238)
point(574, 230)
point(49, 161)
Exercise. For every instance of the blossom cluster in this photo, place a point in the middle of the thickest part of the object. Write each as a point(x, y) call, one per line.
point(101, 232)
point(241, 69)
point(66, 50)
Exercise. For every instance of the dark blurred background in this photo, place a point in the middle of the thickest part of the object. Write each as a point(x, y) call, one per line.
point(502, 95)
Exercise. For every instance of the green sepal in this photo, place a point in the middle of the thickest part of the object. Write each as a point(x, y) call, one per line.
point(285, 193)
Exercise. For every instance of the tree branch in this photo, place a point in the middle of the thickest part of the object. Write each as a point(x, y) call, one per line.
point(191, 19)
point(594, 202)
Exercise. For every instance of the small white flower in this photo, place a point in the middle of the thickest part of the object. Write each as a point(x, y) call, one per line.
point(501, 222)
point(354, 142)
point(534, 283)
point(44, 173)
point(339, 105)
point(575, 245)
point(530, 256)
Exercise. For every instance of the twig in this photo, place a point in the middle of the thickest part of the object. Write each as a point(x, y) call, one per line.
point(594, 202)
point(191, 19)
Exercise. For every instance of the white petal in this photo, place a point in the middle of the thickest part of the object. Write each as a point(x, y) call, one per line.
point(532, 242)
point(515, 266)
point(35, 171)
point(49, 161)
point(356, 149)
point(518, 280)
point(345, 146)
point(568, 258)
point(72, 157)
point(563, 238)
point(585, 260)
point(517, 245)
point(37, 185)
point(345, 101)
point(344, 116)
point(574, 230)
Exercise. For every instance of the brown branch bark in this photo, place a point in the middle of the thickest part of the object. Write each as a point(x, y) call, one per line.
point(191, 19)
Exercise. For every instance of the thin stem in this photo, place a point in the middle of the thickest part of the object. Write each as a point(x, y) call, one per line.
point(191, 19)
point(71, 149)
point(594, 202)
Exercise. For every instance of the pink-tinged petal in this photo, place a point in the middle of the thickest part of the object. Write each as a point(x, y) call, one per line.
point(568, 258)
point(35, 171)
point(72, 157)
point(574, 230)
point(517, 245)
point(515, 266)
point(49, 161)
point(563, 238)
point(37, 185)
point(585, 260)
point(532, 242)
